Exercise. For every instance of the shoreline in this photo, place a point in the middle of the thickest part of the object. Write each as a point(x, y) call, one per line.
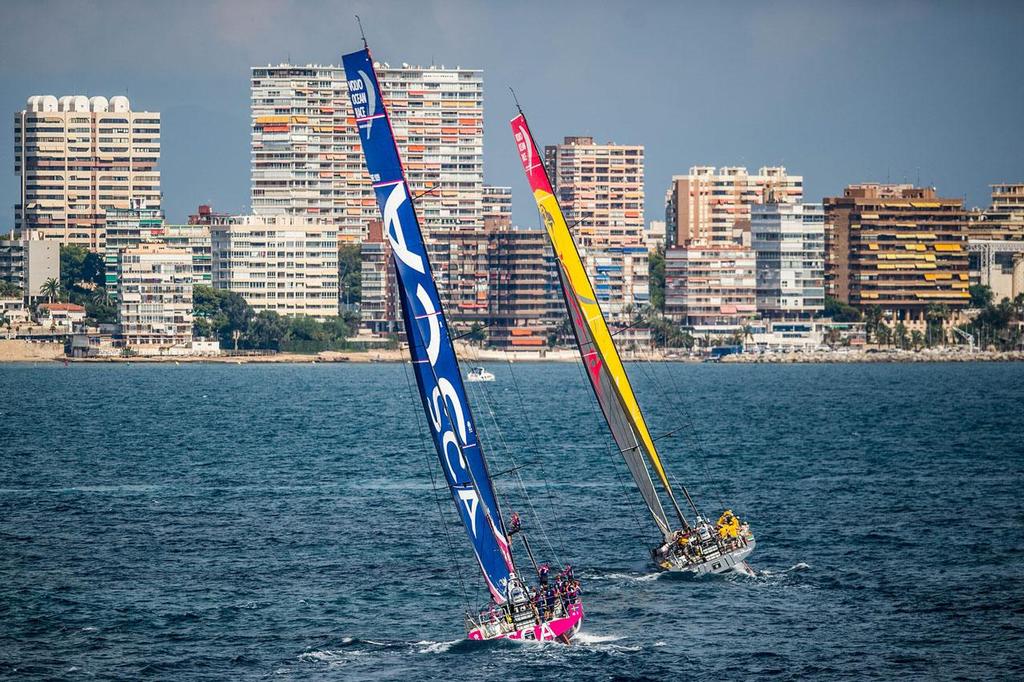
point(372, 357)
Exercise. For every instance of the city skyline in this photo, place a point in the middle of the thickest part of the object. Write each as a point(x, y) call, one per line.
point(801, 88)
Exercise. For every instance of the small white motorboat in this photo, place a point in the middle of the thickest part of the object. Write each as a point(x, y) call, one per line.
point(479, 374)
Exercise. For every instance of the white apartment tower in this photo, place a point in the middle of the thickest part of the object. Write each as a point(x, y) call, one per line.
point(77, 156)
point(307, 159)
point(284, 263)
point(789, 247)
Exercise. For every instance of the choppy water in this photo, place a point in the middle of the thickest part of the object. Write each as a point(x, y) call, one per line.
point(244, 522)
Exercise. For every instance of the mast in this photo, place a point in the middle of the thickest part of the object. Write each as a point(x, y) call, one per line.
point(438, 376)
point(605, 370)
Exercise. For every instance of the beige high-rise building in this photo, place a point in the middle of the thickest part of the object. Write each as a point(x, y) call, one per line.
point(898, 247)
point(600, 188)
point(288, 264)
point(155, 298)
point(711, 288)
point(712, 205)
point(77, 156)
point(307, 159)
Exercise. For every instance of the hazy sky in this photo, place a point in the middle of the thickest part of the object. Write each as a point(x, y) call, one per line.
point(839, 92)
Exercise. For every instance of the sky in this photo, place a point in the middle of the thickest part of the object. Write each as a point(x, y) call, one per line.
point(839, 92)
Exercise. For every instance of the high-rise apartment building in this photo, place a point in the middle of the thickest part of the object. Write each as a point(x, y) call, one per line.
point(899, 247)
point(497, 206)
point(713, 204)
point(307, 158)
point(524, 295)
point(127, 228)
point(600, 188)
point(710, 288)
point(195, 239)
point(789, 247)
point(378, 309)
point(28, 263)
point(284, 263)
point(996, 242)
point(155, 301)
point(78, 156)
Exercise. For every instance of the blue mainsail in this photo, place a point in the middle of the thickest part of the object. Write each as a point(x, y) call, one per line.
point(433, 356)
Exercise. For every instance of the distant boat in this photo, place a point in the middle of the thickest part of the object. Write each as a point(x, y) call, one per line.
point(479, 374)
point(694, 546)
point(513, 613)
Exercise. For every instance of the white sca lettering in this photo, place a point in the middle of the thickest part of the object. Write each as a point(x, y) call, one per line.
point(393, 225)
point(434, 342)
point(471, 501)
point(448, 391)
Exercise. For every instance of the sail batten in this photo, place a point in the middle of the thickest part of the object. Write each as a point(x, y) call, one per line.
point(604, 367)
point(438, 376)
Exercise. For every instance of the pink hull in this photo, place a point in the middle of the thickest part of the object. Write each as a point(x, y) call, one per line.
point(545, 632)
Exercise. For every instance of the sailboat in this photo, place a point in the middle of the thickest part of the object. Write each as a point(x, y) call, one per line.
point(694, 545)
point(553, 610)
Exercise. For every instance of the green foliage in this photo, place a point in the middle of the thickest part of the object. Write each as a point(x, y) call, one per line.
point(1001, 325)
point(82, 281)
point(351, 273)
point(51, 289)
point(900, 336)
point(981, 295)
point(219, 314)
point(80, 268)
point(841, 312)
point(8, 290)
point(656, 275)
point(226, 316)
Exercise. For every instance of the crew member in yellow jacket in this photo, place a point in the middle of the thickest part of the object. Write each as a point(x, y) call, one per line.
point(728, 525)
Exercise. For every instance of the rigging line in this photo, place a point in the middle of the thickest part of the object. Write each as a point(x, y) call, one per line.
point(537, 449)
point(700, 450)
point(466, 603)
point(536, 517)
point(615, 460)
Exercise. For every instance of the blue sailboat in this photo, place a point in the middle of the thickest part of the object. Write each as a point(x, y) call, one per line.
point(515, 611)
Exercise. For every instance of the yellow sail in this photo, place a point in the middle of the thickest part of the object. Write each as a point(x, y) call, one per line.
point(581, 290)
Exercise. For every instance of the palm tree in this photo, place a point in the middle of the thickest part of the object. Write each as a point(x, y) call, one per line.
point(899, 334)
point(102, 297)
point(50, 289)
point(883, 334)
point(916, 339)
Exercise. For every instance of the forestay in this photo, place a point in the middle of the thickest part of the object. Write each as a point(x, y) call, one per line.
point(433, 356)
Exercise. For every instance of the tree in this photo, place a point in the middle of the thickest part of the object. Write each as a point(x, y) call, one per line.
point(350, 272)
point(656, 278)
point(101, 306)
point(81, 268)
point(916, 339)
point(563, 330)
point(872, 318)
point(936, 315)
point(981, 295)
point(841, 312)
point(883, 335)
point(9, 290)
point(900, 336)
point(51, 289)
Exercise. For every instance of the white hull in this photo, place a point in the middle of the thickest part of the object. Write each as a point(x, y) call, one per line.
point(727, 562)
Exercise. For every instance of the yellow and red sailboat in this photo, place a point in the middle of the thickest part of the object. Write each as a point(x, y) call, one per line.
point(696, 546)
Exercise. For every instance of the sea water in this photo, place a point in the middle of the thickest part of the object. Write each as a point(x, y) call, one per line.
point(280, 521)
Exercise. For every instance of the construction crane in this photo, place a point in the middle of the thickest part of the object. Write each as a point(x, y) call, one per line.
point(964, 335)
